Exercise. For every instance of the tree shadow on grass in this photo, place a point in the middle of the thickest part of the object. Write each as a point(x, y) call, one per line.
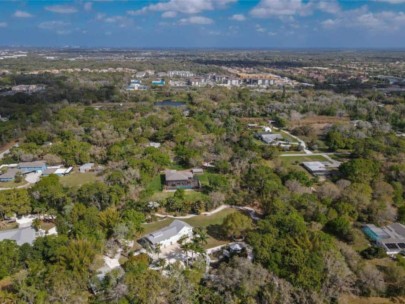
point(217, 232)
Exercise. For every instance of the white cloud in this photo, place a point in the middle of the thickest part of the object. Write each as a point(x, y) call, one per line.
point(269, 8)
point(22, 14)
point(169, 14)
point(391, 1)
point(362, 18)
point(61, 9)
point(184, 6)
point(120, 21)
point(260, 29)
point(54, 25)
point(238, 17)
point(88, 6)
point(196, 20)
point(3, 24)
point(277, 8)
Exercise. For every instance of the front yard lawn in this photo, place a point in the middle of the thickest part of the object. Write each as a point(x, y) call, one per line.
point(77, 179)
point(12, 184)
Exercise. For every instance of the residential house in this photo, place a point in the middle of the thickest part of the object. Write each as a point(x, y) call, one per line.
point(197, 82)
point(318, 168)
point(269, 138)
point(169, 235)
point(155, 144)
point(34, 166)
point(9, 175)
point(184, 74)
point(58, 170)
point(391, 237)
point(180, 180)
point(87, 167)
point(136, 85)
point(25, 234)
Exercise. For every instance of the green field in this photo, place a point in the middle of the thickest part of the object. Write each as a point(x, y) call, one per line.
point(12, 184)
point(189, 195)
point(78, 179)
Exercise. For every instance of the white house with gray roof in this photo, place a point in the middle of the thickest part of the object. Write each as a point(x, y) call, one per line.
point(170, 235)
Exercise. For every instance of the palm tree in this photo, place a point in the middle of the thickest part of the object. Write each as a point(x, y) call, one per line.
point(158, 249)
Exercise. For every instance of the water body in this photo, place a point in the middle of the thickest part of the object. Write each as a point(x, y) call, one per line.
point(170, 103)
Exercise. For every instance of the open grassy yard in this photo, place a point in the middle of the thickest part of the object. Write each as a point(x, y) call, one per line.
point(369, 300)
point(288, 160)
point(77, 179)
point(189, 195)
point(156, 184)
point(207, 220)
point(12, 184)
point(360, 241)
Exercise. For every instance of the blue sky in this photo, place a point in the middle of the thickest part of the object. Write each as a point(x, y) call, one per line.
point(204, 23)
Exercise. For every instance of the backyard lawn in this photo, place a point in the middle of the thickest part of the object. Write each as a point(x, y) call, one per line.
point(12, 184)
point(288, 160)
point(189, 195)
point(78, 179)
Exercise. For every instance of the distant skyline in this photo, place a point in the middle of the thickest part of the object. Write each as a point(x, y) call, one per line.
point(204, 23)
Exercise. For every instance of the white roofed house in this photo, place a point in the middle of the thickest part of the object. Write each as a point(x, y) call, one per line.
point(169, 235)
point(87, 167)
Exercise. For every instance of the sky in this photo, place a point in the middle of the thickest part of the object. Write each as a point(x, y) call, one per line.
point(204, 23)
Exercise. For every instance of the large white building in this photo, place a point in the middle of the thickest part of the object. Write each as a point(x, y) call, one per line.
point(170, 235)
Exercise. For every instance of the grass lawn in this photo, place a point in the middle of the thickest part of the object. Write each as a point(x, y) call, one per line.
point(369, 300)
point(360, 241)
point(205, 220)
point(78, 179)
point(156, 184)
point(288, 160)
point(12, 184)
point(189, 195)
point(46, 225)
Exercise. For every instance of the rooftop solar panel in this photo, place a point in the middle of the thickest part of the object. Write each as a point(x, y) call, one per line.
point(401, 245)
point(391, 246)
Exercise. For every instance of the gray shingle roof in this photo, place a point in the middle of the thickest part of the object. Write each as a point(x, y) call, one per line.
point(10, 173)
point(21, 236)
point(173, 175)
point(168, 232)
point(269, 138)
point(34, 164)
